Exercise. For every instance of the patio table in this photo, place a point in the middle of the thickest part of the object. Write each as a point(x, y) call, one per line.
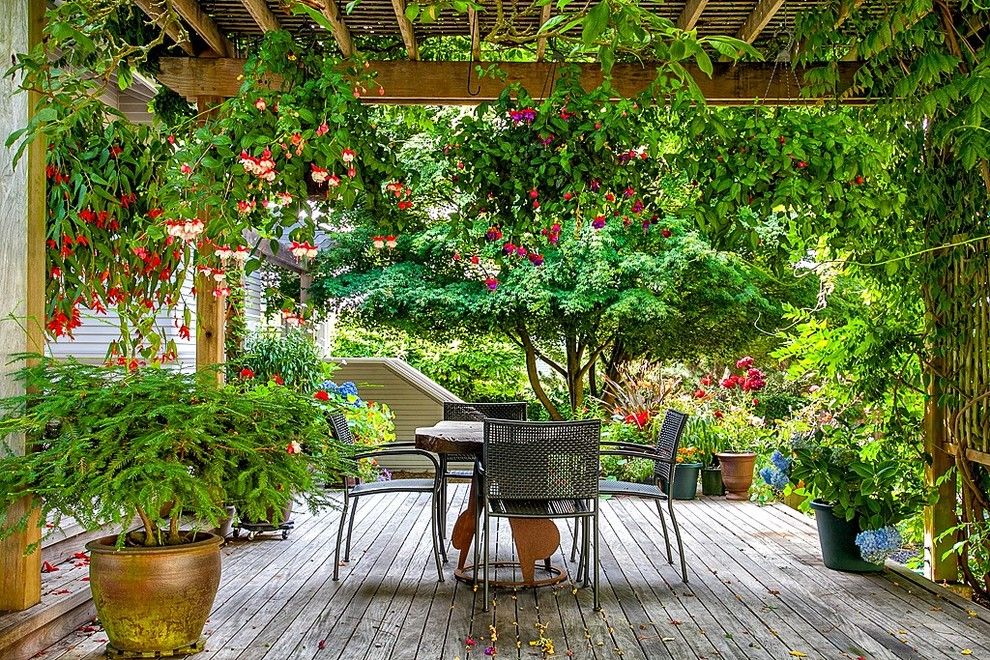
point(534, 538)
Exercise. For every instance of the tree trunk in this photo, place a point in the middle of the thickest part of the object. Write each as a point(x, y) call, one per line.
point(534, 375)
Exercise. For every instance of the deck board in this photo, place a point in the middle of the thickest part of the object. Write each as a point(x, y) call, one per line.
point(757, 589)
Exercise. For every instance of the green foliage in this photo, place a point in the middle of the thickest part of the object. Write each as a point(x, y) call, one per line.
point(482, 368)
point(873, 479)
point(291, 355)
point(114, 445)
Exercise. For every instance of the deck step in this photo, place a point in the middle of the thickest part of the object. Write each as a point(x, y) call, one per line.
point(66, 601)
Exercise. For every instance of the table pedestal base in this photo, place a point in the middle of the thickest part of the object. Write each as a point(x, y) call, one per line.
point(554, 575)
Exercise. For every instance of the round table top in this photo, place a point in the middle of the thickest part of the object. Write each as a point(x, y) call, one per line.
point(452, 438)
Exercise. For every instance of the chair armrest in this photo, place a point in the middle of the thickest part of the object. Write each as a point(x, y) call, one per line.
point(405, 451)
point(633, 446)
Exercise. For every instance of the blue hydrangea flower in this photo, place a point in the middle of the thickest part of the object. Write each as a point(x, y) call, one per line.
point(774, 477)
point(345, 391)
point(875, 545)
point(781, 462)
point(384, 474)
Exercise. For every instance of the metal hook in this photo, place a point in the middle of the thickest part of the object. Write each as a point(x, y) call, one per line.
point(471, 92)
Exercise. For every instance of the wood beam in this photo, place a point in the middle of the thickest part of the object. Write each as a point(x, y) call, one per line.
point(165, 20)
point(541, 43)
point(442, 83)
point(406, 29)
point(341, 33)
point(758, 19)
point(203, 25)
point(23, 198)
point(690, 14)
point(475, 31)
point(211, 312)
point(262, 15)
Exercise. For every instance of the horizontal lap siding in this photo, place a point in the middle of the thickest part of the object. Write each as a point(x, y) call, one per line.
point(414, 399)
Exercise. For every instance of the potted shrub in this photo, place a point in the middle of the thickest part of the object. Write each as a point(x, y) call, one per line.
point(167, 450)
point(860, 484)
point(703, 434)
point(686, 473)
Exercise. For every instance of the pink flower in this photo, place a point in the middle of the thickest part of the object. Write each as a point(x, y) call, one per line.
point(744, 362)
point(260, 105)
point(322, 129)
point(293, 448)
point(185, 169)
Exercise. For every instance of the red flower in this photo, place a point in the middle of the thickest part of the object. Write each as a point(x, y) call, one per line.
point(700, 393)
point(116, 150)
point(718, 414)
point(321, 395)
point(293, 448)
point(744, 362)
point(184, 332)
point(278, 379)
point(666, 233)
point(154, 214)
point(246, 373)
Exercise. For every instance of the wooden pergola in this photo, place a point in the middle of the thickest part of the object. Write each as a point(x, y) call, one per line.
point(213, 34)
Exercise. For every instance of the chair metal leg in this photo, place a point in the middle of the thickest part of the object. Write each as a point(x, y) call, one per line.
point(435, 533)
point(677, 534)
point(586, 559)
point(340, 536)
point(594, 588)
point(350, 529)
point(663, 526)
point(438, 528)
point(576, 538)
point(443, 496)
point(484, 567)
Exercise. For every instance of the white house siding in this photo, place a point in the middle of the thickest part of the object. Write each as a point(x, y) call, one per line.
point(414, 399)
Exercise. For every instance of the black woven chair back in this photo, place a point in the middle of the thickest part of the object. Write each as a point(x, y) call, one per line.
point(459, 411)
point(341, 430)
point(668, 441)
point(541, 460)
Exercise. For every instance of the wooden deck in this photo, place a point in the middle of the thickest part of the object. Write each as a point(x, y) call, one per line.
point(758, 590)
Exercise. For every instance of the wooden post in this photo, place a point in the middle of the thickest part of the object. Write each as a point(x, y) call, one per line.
point(22, 278)
point(941, 515)
point(211, 312)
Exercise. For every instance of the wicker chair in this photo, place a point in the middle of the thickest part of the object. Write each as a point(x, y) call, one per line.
point(664, 457)
point(459, 411)
point(354, 492)
point(541, 470)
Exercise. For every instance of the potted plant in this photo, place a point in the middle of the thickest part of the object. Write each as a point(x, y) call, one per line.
point(860, 484)
point(168, 450)
point(704, 435)
point(686, 472)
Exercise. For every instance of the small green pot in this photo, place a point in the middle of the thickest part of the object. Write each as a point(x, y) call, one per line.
point(685, 481)
point(711, 482)
point(838, 541)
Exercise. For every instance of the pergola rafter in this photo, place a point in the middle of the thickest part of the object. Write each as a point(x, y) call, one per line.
point(406, 29)
point(262, 15)
point(204, 25)
point(758, 19)
point(691, 13)
point(341, 33)
point(160, 16)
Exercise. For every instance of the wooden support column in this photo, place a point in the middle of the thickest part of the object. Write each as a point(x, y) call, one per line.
point(22, 278)
point(941, 515)
point(211, 312)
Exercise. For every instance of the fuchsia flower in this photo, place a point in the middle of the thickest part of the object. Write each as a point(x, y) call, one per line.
point(706, 379)
point(595, 185)
point(493, 234)
point(260, 105)
point(390, 242)
point(536, 259)
point(378, 242)
point(245, 207)
point(526, 115)
point(629, 192)
point(293, 448)
point(744, 362)
point(322, 130)
point(666, 233)
point(491, 283)
point(637, 206)
point(347, 155)
point(598, 222)
point(303, 250)
point(185, 169)
point(318, 174)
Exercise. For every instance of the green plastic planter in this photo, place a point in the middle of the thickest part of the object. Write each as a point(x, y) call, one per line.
point(711, 482)
point(838, 541)
point(685, 481)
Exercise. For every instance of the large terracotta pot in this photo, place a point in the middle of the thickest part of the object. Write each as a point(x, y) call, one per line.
point(154, 600)
point(737, 473)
